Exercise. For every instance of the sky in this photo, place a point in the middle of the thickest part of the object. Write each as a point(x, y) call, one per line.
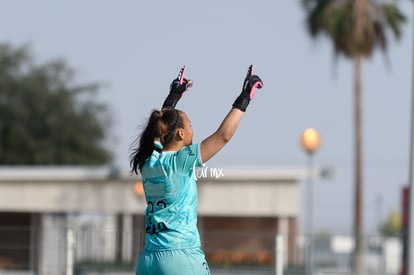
point(136, 48)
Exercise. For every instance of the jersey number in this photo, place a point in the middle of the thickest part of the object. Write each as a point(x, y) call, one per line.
point(155, 228)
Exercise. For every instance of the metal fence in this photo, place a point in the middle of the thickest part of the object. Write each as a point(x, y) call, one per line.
point(93, 250)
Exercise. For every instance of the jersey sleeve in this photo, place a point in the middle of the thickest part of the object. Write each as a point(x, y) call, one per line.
point(187, 159)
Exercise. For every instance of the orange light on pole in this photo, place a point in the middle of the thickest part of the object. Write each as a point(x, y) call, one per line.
point(310, 140)
point(139, 189)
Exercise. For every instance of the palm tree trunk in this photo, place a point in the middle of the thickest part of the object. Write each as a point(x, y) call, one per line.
point(358, 196)
point(361, 24)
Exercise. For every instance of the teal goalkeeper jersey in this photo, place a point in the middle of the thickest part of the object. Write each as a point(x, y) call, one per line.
point(171, 195)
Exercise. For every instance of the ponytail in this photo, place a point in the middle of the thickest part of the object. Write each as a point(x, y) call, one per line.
point(162, 125)
point(146, 143)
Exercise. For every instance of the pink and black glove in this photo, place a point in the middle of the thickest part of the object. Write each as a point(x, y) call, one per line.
point(177, 88)
point(251, 83)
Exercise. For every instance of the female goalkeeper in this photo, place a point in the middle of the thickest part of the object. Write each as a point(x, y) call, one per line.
point(165, 157)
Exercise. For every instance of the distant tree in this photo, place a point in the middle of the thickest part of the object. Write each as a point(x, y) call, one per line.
point(392, 225)
point(356, 28)
point(45, 117)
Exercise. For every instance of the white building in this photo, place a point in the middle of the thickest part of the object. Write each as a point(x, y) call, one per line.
point(38, 205)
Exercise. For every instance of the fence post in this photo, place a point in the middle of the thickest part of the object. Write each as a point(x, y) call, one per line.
point(70, 241)
point(279, 250)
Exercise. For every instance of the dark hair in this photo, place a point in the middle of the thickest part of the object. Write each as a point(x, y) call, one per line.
point(161, 124)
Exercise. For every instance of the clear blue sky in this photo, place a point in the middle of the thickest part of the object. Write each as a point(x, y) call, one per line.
point(137, 47)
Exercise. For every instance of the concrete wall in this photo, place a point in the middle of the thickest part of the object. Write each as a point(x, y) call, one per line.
point(54, 193)
point(248, 198)
point(234, 193)
point(108, 196)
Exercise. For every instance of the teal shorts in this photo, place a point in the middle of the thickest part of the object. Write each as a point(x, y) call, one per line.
point(189, 261)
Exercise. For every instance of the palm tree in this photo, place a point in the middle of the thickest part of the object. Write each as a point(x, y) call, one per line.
point(356, 28)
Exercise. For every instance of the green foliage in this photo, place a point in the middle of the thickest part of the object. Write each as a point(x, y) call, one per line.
point(354, 29)
point(392, 225)
point(45, 118)
point(394, 18)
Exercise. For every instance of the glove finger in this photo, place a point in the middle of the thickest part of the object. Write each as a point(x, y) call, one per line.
point(189, 83)
point(186, 81)
point(250, 71)
point(181, 74)
point(256, 83)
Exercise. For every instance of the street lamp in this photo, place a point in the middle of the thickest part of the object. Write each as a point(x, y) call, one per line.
point(408, 261)
point(310, 141)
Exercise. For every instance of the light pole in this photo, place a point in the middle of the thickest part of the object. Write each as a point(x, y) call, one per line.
point(410, 231)
point(310, 141)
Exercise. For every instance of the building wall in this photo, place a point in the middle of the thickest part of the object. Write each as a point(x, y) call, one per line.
point(270, 198)
point(109, 196)
point(245, 240)
point(262, 203)
point(237, 193)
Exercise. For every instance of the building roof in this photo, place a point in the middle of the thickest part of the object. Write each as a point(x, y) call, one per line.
point(55, 173)
point(81, 173)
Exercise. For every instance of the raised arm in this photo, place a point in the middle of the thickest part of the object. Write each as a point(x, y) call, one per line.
point(214, 143)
